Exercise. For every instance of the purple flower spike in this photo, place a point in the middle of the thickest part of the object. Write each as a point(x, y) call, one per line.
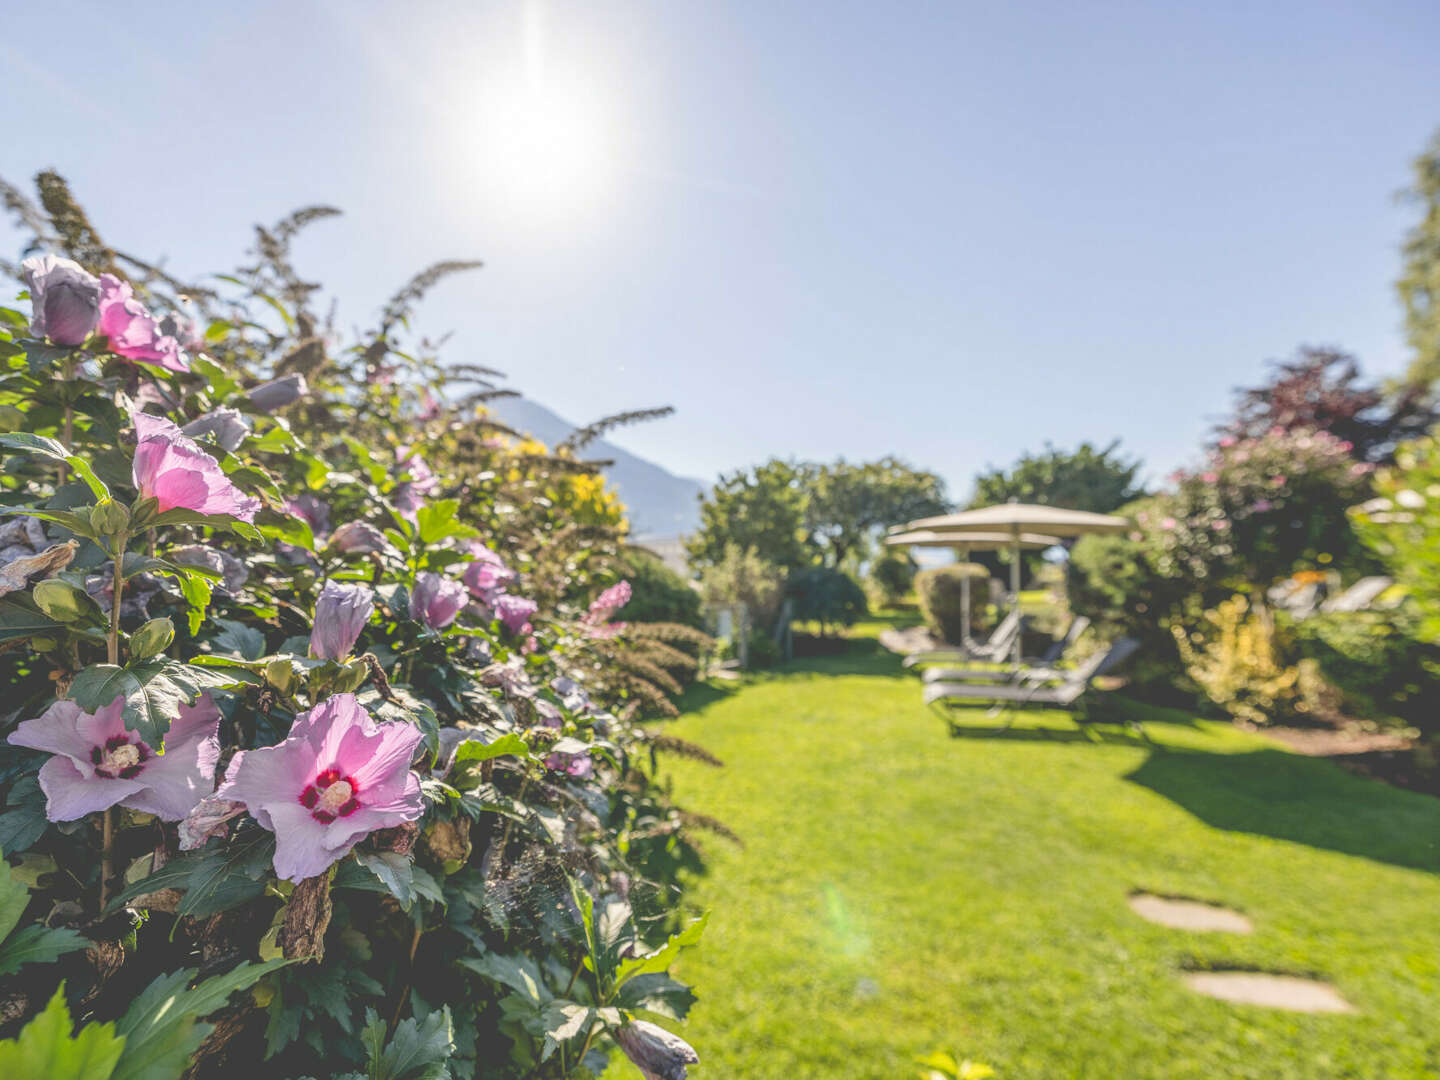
point(65, 299)
point(357, 538)
point(340, 614)
point(132, 332)
point(336, 778)
point(515, 612)
point(98, 763)
point(436, 600)
point(171, 468)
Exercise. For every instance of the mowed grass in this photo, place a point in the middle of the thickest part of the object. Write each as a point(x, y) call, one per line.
point(901, 890)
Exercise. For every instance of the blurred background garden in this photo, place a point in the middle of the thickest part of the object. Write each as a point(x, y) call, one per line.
point(901, 540)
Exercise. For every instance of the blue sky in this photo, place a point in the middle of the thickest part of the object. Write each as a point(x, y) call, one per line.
point(947, 231)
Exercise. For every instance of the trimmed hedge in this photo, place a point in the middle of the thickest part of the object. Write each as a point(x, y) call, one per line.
point(939, 593)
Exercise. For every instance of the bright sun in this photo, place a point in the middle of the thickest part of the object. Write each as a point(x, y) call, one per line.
point(548, 141)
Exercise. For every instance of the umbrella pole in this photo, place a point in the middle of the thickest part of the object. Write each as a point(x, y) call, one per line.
point(1015, 591)
point(963, 550)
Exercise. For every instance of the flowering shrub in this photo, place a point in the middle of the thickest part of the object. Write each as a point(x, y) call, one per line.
point(1401, 523)
point(1258, 509)
point(1234, 656)
point(299, 708)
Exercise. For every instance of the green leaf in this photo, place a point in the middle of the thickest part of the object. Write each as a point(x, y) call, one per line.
point(213, 879)
point(238, 639)
point(518, 972)
point(35, 444)
point(14, 897)
point(664, 956)
point(82, 469)
point(218, 330)
point(395, 872)
point(38, 945)
point(417, 1051)
point(563, 1021)
point(438, 521)
point(153, 690)
point(658, 993)
point(159, 1027)
point(20, 618)
point(46, 1048)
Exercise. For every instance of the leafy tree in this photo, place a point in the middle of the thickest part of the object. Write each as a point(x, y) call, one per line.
point(1086, 479)
point(826, 596)
point(1419, 283)
point(743, 577)
point(850, 504)
point(1321, 390)
point(761, 508)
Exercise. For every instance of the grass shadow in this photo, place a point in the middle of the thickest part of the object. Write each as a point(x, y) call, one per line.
point(1299, 799)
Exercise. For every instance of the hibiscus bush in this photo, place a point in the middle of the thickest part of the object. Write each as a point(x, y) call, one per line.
point(326, 745)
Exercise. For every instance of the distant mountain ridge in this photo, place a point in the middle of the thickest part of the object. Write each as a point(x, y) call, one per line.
point(659, 503)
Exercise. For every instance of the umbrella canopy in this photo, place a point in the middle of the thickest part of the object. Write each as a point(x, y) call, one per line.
point(967, 542)
point(973, 541)
point(1012, 517)
point(1050, 520)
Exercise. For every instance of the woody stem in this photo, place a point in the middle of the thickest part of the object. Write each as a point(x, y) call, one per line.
point(107, 858)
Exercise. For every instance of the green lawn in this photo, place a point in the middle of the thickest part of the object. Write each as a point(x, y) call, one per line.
point(901, 890)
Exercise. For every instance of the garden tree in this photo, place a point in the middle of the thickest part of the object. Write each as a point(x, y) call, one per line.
point(825, 595)
point(1321, 390)
point(849, 505)
point(743, 577)
point(761, 508)
point(1086, 479)
point(1419, 283)
point(235, 541)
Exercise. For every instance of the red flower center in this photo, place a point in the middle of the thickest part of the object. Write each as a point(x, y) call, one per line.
point(119, 757)
point(331, 796)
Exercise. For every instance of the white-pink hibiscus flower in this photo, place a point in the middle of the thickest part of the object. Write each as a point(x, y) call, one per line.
point(335, 779)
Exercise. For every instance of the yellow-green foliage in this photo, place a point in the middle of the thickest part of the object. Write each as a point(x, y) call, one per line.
point(1235, 657)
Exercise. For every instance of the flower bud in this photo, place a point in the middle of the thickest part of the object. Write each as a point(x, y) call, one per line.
point(151, 639)
point(341, 613)
point(229, 426)
point(357, 538)
point(276, 394)
point(109, 518)
point(436, 600)
point(65, 299)
point(658, 1054)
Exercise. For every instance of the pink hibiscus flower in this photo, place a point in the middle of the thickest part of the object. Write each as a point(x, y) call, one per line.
point(335, 779)
point(133, 333)
point(171, 468)
point(98, 763)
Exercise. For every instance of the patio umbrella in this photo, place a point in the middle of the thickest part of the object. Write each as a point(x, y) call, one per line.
point(1016, 517)
point(964, 543)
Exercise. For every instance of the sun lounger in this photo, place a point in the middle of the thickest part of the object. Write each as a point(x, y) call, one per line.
point(1070, 693)
point(993, 650)
point(1040, 670)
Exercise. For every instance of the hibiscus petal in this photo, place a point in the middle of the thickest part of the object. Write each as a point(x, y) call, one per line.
point(70, 794)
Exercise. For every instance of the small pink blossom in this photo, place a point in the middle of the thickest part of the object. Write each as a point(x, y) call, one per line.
point(99, 763)
point(515, 612)
point(487, 576)
point(133, 333)
point(336, 778)
point(170, 468)
point(1168, 524)
point(1210, 477)
point(341, 612)
point(422, 478)
point(357, 538)
point(436, 600)
point(576, 766)
point(1228, 441)
point(312, 510)
point(1263, 506)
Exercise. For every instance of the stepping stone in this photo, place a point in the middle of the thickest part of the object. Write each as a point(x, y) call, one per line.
point(1272, 991)
point(1188, 914)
